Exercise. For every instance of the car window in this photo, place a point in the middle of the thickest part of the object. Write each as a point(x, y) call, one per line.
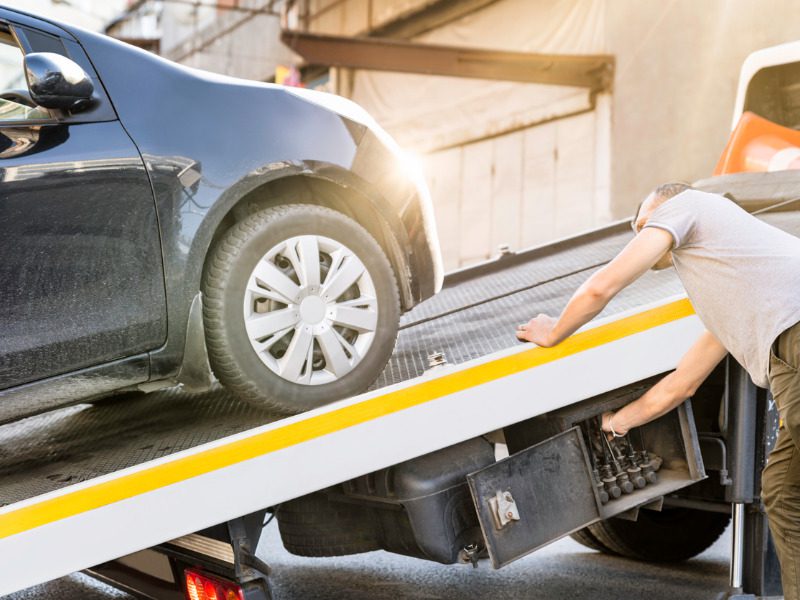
point(14, 106)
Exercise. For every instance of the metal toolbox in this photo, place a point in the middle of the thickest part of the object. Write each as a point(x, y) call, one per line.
point(551, 488)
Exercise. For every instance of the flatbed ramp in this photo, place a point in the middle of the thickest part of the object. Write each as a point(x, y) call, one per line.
point(90, 483)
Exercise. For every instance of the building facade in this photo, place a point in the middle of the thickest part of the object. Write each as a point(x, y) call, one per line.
point(89, 14)
point(240, 38)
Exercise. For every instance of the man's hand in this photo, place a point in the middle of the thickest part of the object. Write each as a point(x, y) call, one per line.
point(697, 364)
point(644, 251)
point(538, 330)
point(609, 427)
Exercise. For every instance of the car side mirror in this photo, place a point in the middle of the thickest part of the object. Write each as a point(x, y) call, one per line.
point(55, 81)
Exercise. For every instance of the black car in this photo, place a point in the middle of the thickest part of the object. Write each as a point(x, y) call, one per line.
point(156, 219)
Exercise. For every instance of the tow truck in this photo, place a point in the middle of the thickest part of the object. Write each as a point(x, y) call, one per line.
point(470, 446)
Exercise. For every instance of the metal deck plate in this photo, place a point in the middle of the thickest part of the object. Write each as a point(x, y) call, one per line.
point(475, 316)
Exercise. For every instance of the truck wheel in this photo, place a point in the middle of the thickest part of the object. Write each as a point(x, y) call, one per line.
point(586, 538)
point(672, 535)
point(301, 308)
point(315, 526)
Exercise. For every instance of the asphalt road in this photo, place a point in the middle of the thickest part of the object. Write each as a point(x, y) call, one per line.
point(563, 570)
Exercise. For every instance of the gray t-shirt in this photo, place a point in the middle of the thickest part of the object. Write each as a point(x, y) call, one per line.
point(741, 275)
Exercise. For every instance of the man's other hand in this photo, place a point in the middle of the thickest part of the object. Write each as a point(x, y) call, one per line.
point(609, 427)
point(538, 330)
point(695, 366)
point(644, 251)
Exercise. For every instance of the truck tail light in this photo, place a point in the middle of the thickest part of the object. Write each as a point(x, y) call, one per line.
point(200, 586)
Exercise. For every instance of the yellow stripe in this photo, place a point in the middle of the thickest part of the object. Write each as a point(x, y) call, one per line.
point(206, 461)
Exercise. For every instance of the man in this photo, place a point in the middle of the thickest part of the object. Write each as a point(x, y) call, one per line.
point(743, 279)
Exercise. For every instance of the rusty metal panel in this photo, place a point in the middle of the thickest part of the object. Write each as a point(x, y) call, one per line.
point(593, 71)
point(521, 500)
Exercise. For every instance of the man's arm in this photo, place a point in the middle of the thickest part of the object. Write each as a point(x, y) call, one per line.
point(673, 389)
point(636, 258)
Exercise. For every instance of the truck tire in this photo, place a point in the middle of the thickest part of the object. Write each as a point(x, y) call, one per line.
point(672, 535)
point(586, 538)
point(315, 526)
point(301, 308)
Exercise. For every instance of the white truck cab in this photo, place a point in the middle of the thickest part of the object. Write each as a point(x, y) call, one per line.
point(769, 85)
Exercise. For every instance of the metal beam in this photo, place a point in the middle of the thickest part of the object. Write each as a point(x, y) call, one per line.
point(593, 71)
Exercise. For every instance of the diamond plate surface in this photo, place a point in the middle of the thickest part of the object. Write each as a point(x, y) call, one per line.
point(489, 327)
point(523, 271)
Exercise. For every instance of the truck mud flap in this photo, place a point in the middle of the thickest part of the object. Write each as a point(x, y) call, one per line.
point(548, 490)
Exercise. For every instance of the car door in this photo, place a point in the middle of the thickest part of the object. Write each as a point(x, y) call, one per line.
point(81, 275)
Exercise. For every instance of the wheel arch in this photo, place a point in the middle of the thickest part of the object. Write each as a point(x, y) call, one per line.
point(306, 188)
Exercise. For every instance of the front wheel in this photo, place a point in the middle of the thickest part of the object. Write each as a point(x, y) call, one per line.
point(301, 308)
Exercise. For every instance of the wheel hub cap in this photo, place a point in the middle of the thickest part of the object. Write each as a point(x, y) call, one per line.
point(310, 310)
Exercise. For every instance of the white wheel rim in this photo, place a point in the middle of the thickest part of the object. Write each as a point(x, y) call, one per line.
point(310, 310)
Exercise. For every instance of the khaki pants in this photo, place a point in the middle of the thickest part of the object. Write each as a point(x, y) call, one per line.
point(781, 479)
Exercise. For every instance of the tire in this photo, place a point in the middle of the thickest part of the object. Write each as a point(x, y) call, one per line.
point(338, 361)
point(586, 538)
point(672, 535)
point(315, 526)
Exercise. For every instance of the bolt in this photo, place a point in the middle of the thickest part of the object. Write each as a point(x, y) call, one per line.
point(436, 359)
point(510, 515)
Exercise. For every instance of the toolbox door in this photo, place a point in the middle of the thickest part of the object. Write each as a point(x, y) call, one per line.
point(535, 496)
point(549, 490)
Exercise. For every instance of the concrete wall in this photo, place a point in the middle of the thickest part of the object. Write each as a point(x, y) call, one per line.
point(521, 189)
point(508, 163)
point(231, 42)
